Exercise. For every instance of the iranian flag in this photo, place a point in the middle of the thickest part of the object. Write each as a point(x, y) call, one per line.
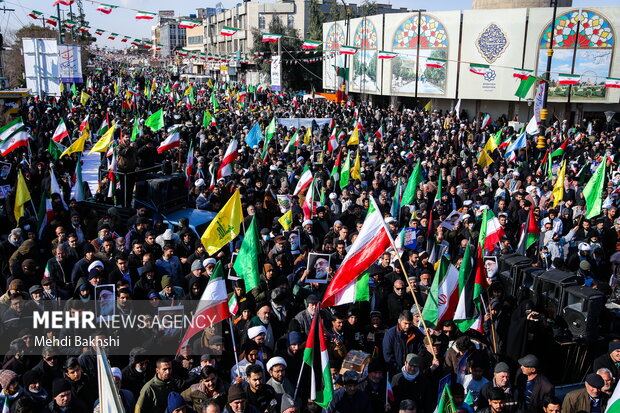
point(479, 69)
point(69, 24)
point(379, 133)
point(529, 233)
point(308, 205)
point(522, 74)
point(63, 2)
point(304, 181)
point(228, 31)
point(269, 37)
point(386, 55)
point(612, 82)
point(485, 121)
point(18, 140)
point(332, 143)
point(125, 38)
point(466, 311)
point(437, 63)
point(443, 297)
point(187, 24)
point(212, 307)
point(492, 230)
point(189, 165)
point(172, 141)
point(53, 20)
point(145, 15)
point(230, 156)
point(112, 36)
point(233, 304)
point(348, 50)
point(567, 79)
point(310, 45)
point(292, 143)
point(35, 14)
point(371, 242)
point(9, 129)
point(317, 358)
point(99, 32)
point(106, 8)
point(45, 214)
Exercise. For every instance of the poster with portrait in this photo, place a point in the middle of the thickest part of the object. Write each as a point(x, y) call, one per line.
point(450, 222)
point(293, 238)
point(318, 265)
point(284, 201)
point(232, 275)
point(168, 317)
point(491, 266)
point(5, 170)
point(105, 300)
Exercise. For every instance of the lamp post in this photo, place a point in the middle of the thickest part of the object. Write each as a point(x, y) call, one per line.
point(544, 112)
point(417, 56)
point(346, 40)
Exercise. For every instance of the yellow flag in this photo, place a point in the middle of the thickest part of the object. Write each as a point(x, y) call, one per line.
point(116, 87)
point(484, 159)
point(188, 90)
point(355, 171)
point(104, 142)
point(78, 145)
point(225, 227)
point(84, 98)
point(308, 136)
point(209, 83)
point(22, 195)
point(558, 188)
point(286, 220)
point(491, 145)
point(428, 106)
point(61, 87)
point(127, 95)
point(355, 137)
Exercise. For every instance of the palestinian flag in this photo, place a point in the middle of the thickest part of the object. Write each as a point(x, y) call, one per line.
point(479, 69)
point(522, 74)
point(145, 15)
point(436, 63)
point(272, 38)
point(230, 156)
point(568, 79)
point(317, 358)
point(334, 174)
point(310, 45)
point(228, 31)
point(386, 55)
point(172, 141)
point(212, 307)
point(491, 229)
point(349, 50)
point(612, 82)
point(304, 181)
point(106, 8)
point(35, 14)
point(371, 242)
point(529, 233)
point(187, 24)
point(443, 297)
point(561, 150)
point(53, 20)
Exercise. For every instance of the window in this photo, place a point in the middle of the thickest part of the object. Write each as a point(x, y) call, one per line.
point(290, 20)
point(194, 40)
point(261, 22)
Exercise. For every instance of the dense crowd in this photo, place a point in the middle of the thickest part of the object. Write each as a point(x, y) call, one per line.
point(510, 361)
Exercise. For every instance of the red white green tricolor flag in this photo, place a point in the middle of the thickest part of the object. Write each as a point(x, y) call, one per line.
point(317, 358)
point(386, 55)
point(310, 45)
point(443, 296)
point(145, 15)
point(228, 31)
point(35, 14)
point(479, 69)
point(212, 307)
point(566, 79)
point(529, 234)
point(372, 241)
point(613, 406)
point(53, 20)
point(106, 8)
point(432, 62)
point(492, 230)
point(612, 82)
point(269, 37)
point(187, 24)
point(350, 50)
point(522, 74)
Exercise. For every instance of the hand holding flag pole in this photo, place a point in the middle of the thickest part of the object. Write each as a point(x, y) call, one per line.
point(232, 336)
point(486, 309)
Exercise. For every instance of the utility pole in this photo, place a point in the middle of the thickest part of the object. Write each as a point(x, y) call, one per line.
point(59, 24)
point(544, 112)
point(417, 57)
point(346, 41)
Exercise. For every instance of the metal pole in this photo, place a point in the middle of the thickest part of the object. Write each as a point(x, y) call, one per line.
point(417, 58)
point(346, 40)
point(71, 17)
point(59, 24)
point(544, 112)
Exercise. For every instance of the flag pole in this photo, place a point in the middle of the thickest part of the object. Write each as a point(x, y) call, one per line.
point(486, 308)
point(387, 380)
point(232, 336)
point(301, 371)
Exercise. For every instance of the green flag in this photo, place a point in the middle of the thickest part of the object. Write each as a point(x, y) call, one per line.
point(525, 86)
point(414, 181)
point(269, 132)
point(155, 121)
point(593, 190)
point(438, 196)
point(73, 90)
point(214, 102)
point(55, 149)
point(136, 130)
point(446, 402)
point(206, 119)
point(344, 173)
point(246, 264)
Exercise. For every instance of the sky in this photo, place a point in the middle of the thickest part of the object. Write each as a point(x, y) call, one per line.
point(123, 21)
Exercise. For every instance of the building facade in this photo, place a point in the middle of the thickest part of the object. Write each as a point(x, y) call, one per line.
point(167, 33)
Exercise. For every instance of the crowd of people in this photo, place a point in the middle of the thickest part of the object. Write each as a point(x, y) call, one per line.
point(511, 361)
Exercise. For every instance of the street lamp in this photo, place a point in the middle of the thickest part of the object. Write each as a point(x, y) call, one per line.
point(417, 57)
point(544, 112)
point(346, 41)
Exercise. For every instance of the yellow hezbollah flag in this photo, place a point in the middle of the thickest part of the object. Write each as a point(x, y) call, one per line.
point(355, 171)
point(428, 106)
point(355, 137)
point(22, 195)
point(225, 227)
point(103, 144)
point(61, 87)
point(558, 188)
point(491, 145)
point(286, 220)
point(78, 145)
point(308, 135)
point(84, 98)
point(484, 159)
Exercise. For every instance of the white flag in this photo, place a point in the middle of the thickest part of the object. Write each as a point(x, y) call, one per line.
point(109, 400)
point(457, 109)
point(532, 127)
